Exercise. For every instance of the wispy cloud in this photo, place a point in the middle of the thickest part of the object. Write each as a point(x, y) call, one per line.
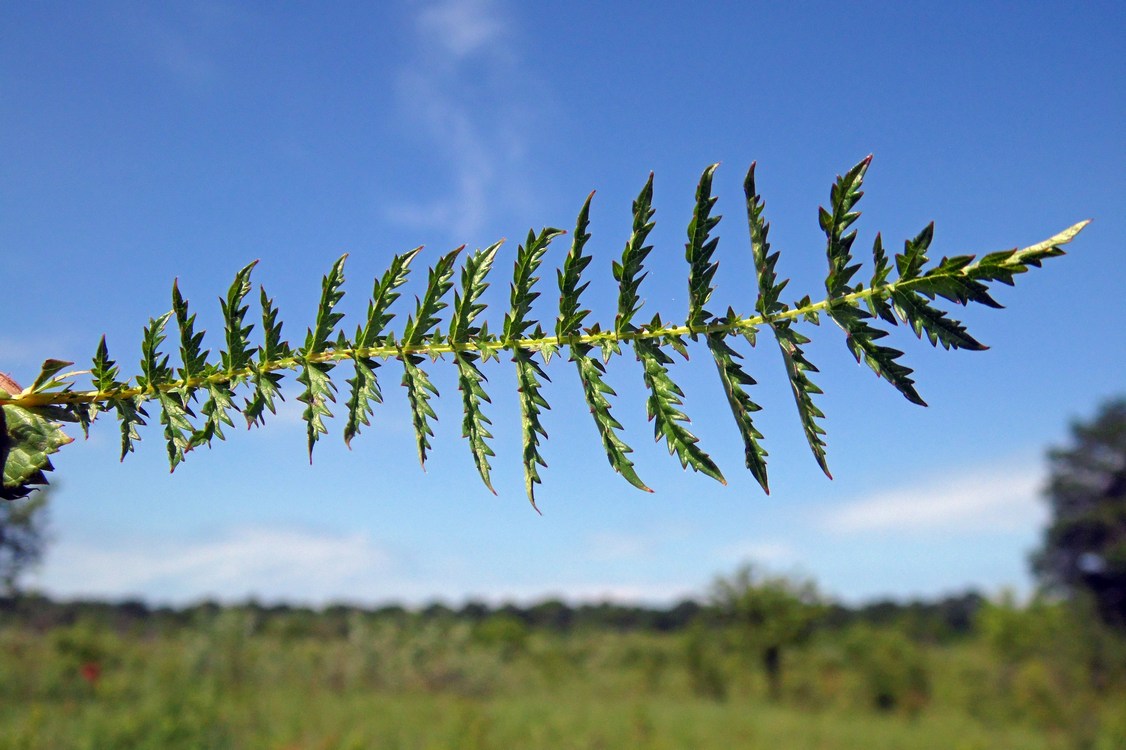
point(607, 545)
point(270, 563)
point(307, 566)
point(988, 499)
point(770, 553)
point(578, 592)
point(461, 91)
point(181, 40)
point(462, 27)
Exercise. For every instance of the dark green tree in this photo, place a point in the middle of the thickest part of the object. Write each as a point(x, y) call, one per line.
point(769, 614)
point(23, 537)
point(1084, 549)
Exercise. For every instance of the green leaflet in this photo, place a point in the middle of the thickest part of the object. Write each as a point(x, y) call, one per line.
point(267, 384)
point(884, 361)
point(529, 374)
point(529, 377)
point(157, 382)
point(591, 370)
point(129, 408)
point(629, 273)
point(939, 328)
point(664, 402)
point(571, 313)
point(843, 196)
point(595, 391)
point(319, 388)
point(192, 354)
point(365, 386)
point(415, 380)
point(698, 252)
point(861, 337)
point(234, 360)
point(470, 379)
point(771, 308)
point(663, 407)
point(31, 418)
point(419, 390)
point(733, 378)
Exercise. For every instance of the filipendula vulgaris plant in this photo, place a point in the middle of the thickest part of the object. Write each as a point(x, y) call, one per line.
point(196, 401)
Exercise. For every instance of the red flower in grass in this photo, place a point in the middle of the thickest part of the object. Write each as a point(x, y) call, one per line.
point(91, 672)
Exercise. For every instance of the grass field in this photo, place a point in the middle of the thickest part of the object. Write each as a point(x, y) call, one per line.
point(237, 682)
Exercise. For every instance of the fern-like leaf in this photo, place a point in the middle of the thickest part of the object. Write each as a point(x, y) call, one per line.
point(571, 312)
point(664, 401)
point(698, 252)
point(129, 409)
point(529, 374)
point(30, 418)
point(591, 371)
point(843, 197)
point(939, 328)
point(734, 377)
point(365, 387)
point(770, 306)
point(234, 361)
point(628, 273)
point(861, 339)
point(663, 407)
point(156, 382)
point(860, 336)
point(470, 379)
point(267, 384)
point(192, 354)
point(415, 380)
point(319, 388)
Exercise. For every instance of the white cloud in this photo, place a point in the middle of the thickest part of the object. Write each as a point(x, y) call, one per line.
point(305, 566)
point(462, 27)
point(461, 93)
point(993, 499)
point(580, 592)
point(180, 40)
point(612, 545)
point(772, 554)
point(269, 563)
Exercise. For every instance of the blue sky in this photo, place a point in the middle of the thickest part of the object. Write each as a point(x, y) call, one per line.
point(147, 142)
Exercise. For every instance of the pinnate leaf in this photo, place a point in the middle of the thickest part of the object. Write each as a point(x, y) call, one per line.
point(790, 341)
point(415, 380)
point(365, 386)
point(319, 388)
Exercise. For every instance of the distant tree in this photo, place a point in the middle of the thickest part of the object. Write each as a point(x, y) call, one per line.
point(770, 614)
point(23, 537)
point(1084, 548)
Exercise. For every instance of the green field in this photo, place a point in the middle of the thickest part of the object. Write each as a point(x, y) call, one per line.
point(248, 678)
